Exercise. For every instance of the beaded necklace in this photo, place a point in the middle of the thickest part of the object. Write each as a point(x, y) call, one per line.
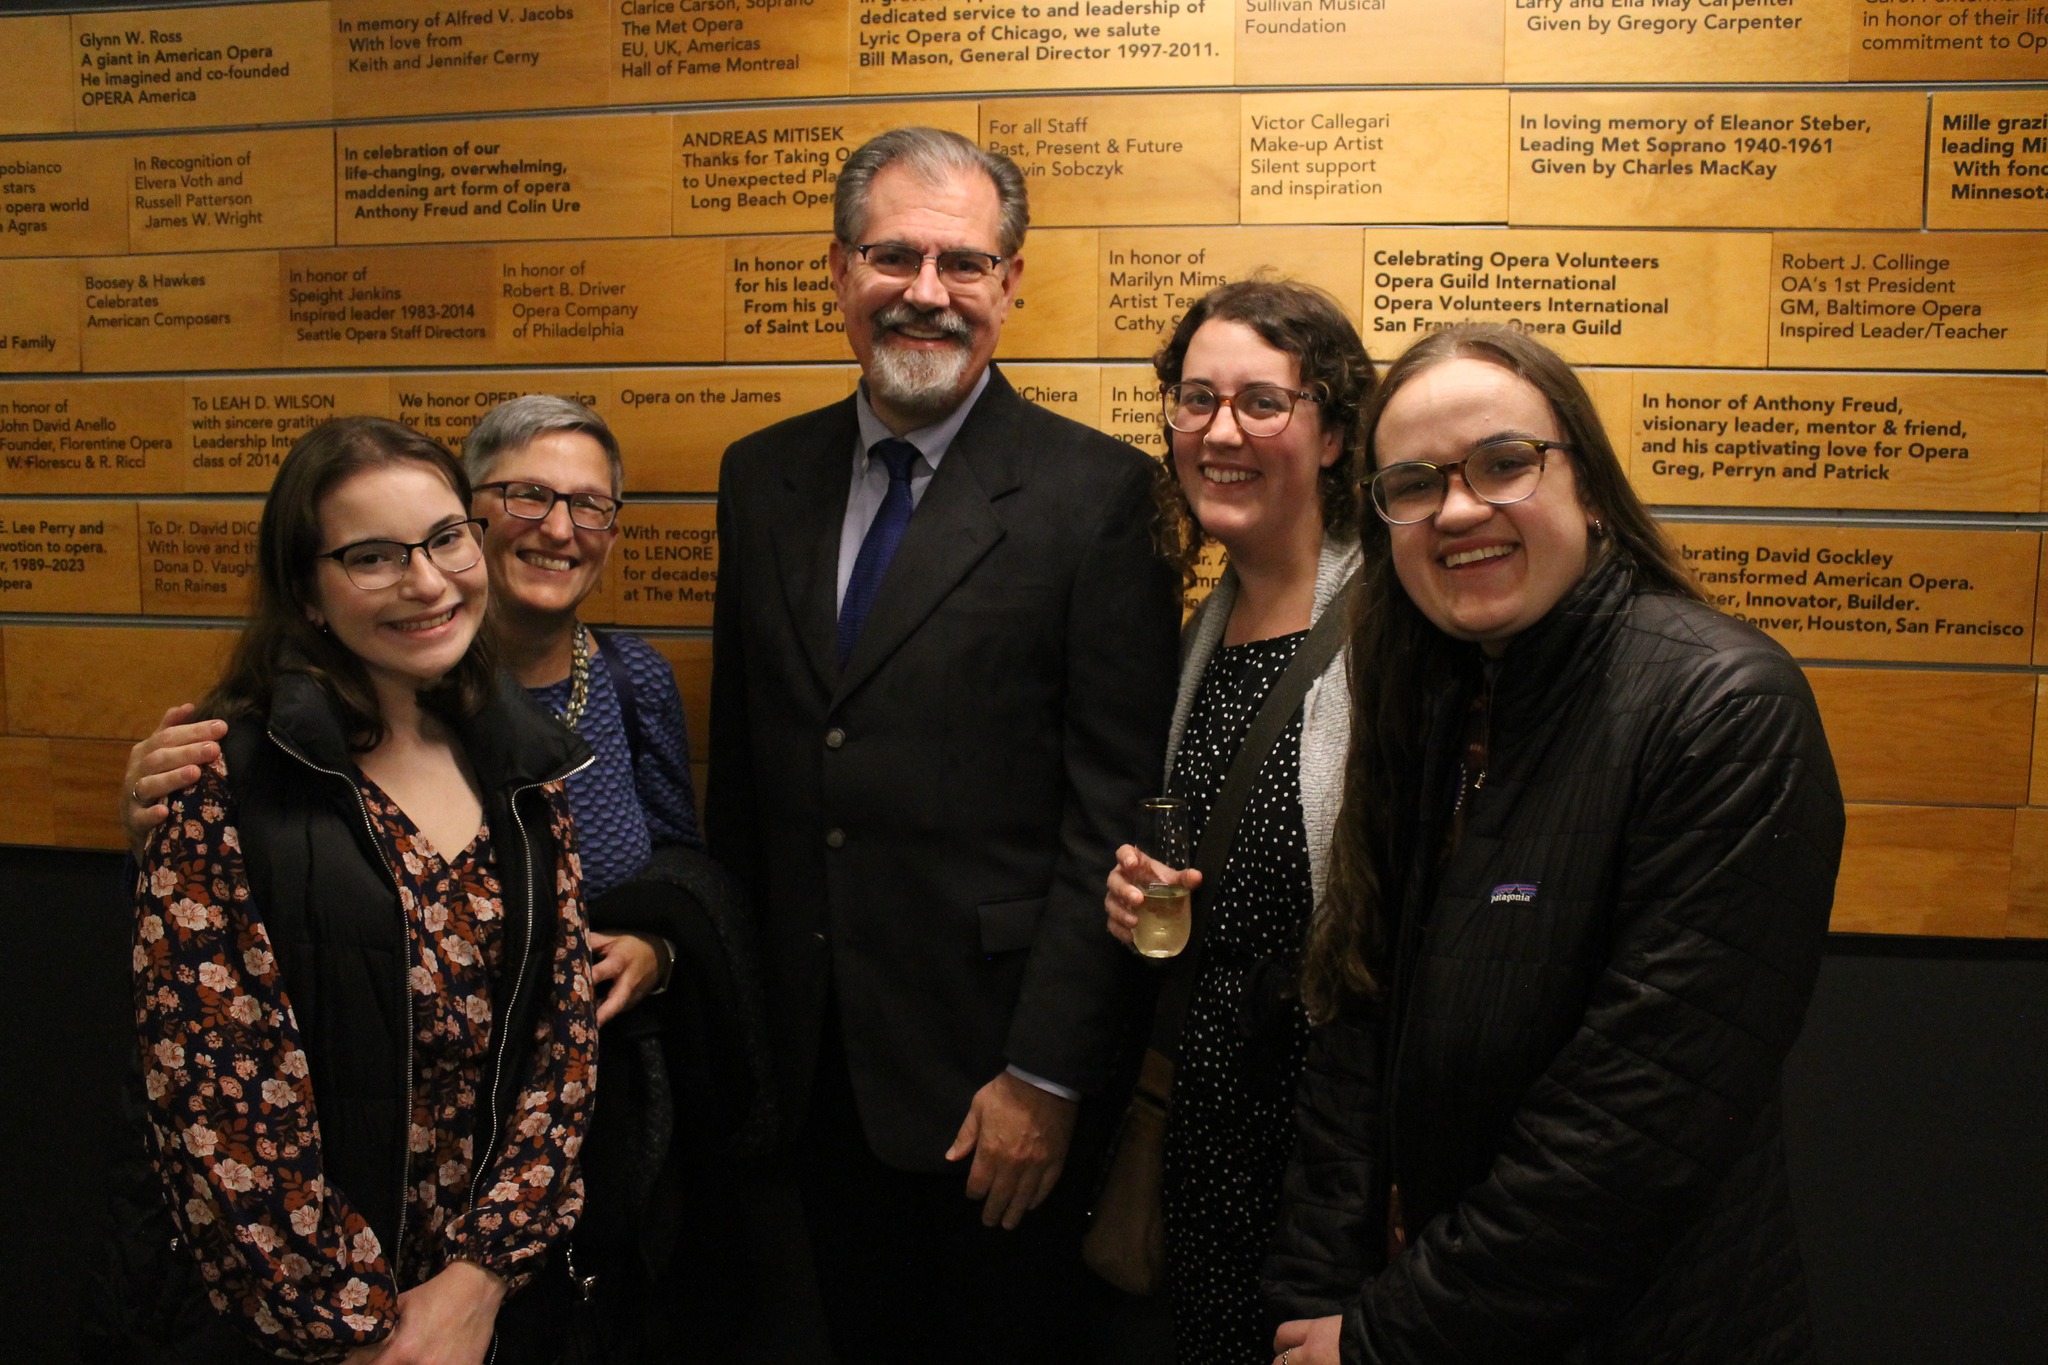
point(579, 677)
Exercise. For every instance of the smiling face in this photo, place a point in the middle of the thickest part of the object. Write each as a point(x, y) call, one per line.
point(542, 570)
point(921, 345)
point(1257, 495)
point(1479, 572)
point(412, 633)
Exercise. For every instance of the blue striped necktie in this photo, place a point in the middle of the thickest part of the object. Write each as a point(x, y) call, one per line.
point(878, 547)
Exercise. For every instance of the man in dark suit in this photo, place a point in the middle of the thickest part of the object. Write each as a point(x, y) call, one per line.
point(941, 677)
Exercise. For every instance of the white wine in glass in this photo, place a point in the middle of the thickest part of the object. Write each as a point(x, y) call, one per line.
point(1165, 916)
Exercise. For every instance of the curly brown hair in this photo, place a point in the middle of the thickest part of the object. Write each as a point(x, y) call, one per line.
point(1299, 320)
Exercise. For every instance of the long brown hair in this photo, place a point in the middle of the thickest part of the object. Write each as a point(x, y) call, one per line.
point(280, 639)
point(1399, 660)
point(1298, 320)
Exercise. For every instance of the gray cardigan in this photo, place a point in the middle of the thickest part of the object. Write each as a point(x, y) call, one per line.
point(1325, 713)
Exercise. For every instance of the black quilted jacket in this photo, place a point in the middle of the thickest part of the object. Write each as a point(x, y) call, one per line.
point(1574, 1076)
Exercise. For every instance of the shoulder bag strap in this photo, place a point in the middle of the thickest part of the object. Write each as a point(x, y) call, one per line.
point(1324, 640)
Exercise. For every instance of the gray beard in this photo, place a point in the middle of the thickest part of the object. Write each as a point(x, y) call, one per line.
point(918, 383)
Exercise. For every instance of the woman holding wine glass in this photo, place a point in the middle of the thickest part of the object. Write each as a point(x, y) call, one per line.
point(1263, 384)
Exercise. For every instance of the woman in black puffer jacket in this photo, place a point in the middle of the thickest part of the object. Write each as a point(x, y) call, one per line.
point(1579, 892)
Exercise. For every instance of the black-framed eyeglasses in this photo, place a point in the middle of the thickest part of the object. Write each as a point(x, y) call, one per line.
point(958, 266)
point(533, 502)
point(374, 564)
point(1260, 409)
point(1502, 473)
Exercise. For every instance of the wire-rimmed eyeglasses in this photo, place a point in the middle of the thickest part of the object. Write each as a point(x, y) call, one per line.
point(1502, 473)
point(1260, 409)
point(374, 564)
point(533, 502)
point(957, 266)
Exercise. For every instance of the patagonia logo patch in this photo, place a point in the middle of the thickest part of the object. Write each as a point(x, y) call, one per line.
point(1513, 893)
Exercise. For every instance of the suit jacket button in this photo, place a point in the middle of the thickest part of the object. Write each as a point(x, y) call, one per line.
point(834, 737)
point(835, 838)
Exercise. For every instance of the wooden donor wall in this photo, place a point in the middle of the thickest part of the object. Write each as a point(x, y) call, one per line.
point(1801, 244)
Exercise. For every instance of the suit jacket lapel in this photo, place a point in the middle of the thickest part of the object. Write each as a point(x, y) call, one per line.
point(954, 526)
point(806, 526)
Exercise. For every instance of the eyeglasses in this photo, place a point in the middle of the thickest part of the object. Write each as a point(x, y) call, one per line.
point(957, 267)
point(1498, 472)
point(533, 502)
point(1260, 409)
point(374, 564)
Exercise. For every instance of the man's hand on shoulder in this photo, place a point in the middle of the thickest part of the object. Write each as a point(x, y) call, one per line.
point(1018, 1135)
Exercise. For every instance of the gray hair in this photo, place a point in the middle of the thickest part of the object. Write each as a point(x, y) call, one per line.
point(518, 422)
point(932, 155)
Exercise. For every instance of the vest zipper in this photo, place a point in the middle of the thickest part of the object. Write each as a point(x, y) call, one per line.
point(405, 982)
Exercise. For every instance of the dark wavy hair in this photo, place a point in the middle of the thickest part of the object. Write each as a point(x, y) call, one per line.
point(279, 639)
point(1299, 320)
point(1400, 661)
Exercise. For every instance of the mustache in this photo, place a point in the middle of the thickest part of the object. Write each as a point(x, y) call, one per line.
point(900, 314)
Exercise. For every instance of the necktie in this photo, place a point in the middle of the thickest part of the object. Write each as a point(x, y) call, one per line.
point(885, 533)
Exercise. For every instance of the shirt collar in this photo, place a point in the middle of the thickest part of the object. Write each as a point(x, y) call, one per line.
point(932, 442)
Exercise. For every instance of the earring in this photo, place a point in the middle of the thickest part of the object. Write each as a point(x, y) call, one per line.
point(1599, 529)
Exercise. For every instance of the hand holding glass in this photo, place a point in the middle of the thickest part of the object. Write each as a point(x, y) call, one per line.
point(1164, 915)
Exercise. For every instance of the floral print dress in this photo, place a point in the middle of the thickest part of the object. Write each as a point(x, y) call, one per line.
point(236, 1133)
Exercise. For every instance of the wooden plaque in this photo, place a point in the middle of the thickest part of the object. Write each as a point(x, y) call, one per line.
point(378, 306)
point(676, 51)
point(57, 678)
point(198, 558)
point(1612, 391)
point(231, 191)
point(237, 431)
point(1121, 159)
point(400, 57)
point(779, 303)
point(214, 65)
point(720, 189)
point(1604, 298)
point(25, 781)
point(1070, 390)
point(41, 315)
point(212, 310)
point(503, 180)
point(1909, 442)
point(1380, 156)
point(445, 406)
point(1987, 158)
point(633, 302)
point(689, 657)
point(1931, 40)
point(2037, 793)
point(2027, 912)
point(1149, 277)
point(1368, 42)
point(1672, 158)
point(1054, 314)
point(1924, 870)
point(1952, 301)
point(1130, 408)
point(675, 424)
point(1555, 41)
point(1870, 592)
point(1924, 735)
point(1088, 44)
point(62, 198)
point(92, 436)
point(68, 556)
point(39, 56)
point(665, 564)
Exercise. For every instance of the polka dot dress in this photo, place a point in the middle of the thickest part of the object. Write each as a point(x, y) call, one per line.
point(1231, 1128)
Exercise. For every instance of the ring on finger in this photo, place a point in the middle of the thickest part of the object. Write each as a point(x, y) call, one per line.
point(135, 795)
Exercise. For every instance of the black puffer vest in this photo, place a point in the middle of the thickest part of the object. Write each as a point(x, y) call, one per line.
point(344, 946)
